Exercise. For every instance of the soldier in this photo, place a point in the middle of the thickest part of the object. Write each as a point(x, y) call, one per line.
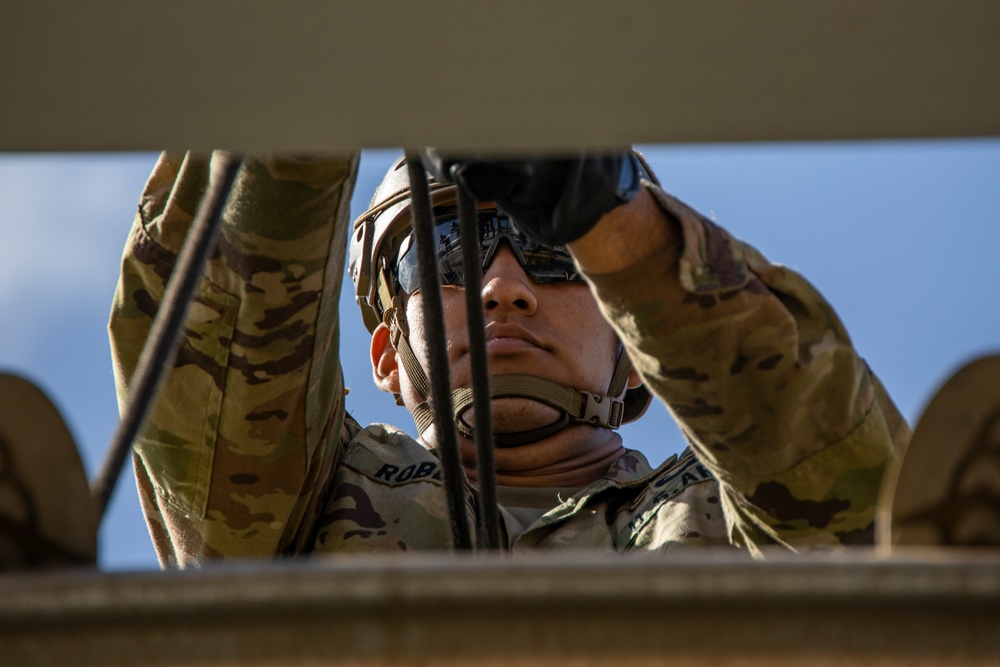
point(251, 450)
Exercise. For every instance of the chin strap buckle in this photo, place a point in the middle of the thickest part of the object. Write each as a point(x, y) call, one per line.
point(602, 410)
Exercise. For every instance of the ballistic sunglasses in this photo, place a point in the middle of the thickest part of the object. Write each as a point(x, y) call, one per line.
point(545, 264)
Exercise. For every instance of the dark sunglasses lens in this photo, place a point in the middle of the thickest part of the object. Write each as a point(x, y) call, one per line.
point(545, 264)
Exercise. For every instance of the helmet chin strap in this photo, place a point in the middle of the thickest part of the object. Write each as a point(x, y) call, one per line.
point(576, 406)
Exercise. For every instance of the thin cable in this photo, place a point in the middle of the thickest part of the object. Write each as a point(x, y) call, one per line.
point(489, 524)
point(433, 332)
point(164, 335)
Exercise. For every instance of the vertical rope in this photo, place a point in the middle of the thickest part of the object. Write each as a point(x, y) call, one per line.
point(434, 335)
point(488, 530)
point(164, 335)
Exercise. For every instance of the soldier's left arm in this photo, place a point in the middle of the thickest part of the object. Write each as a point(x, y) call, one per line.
point(756, 367)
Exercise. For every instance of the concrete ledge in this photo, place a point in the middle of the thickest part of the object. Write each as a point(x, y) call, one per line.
point(521, 74)
point(698, 607)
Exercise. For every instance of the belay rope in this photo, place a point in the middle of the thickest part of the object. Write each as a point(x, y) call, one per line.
point(439, 370)
point(164, 339)
point(489, 524)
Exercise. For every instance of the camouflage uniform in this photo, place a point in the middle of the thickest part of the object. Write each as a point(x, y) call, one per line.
point(250, 451)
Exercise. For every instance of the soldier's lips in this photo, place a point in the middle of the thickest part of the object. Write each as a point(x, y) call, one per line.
point(510, 339)
point(508, 345)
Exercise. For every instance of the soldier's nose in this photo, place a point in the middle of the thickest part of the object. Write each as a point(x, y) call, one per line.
point(507, 285)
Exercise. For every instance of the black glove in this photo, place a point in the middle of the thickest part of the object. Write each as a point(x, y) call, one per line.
point(553, 201)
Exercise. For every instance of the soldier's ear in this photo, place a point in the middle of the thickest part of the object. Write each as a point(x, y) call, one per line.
point(634, 379)
point(385, 361)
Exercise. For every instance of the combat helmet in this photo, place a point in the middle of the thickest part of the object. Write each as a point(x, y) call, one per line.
point(376, 239)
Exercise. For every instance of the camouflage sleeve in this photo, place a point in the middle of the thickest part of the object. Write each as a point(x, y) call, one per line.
point(243, 436)
point(763, 379)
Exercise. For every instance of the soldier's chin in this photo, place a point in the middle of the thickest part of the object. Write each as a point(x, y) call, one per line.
point(514, 415)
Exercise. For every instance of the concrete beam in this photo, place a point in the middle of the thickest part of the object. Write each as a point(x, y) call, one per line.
point(310, 74)
point(694, 607)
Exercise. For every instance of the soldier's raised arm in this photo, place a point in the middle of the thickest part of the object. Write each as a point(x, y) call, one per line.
point(756, 367)
point(249, 420)
point(751, 360)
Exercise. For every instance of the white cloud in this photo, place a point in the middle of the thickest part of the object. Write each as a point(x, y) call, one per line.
point(63, 221)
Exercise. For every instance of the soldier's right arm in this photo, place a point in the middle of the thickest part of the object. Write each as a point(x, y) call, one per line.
point(242, 440)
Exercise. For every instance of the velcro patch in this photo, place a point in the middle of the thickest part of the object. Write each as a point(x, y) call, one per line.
point(395, 468)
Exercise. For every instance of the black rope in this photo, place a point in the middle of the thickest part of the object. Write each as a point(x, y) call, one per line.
point(434, 335)
point(489, 524)
point(164, 335)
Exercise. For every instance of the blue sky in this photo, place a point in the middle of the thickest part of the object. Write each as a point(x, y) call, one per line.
point(902, 237)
